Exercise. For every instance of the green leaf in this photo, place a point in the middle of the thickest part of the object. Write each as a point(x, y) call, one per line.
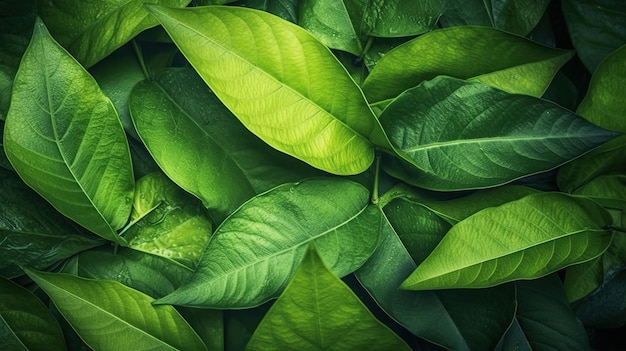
point(606, 307)
point(255, 251)
point(583, 278)
point(466, 13)
point(209, 324)
point(25, 323)
point(493, 138)
point(63, 137)
point(110, 316)
point(318, 311)
point(284, 85)
point(597, 28)
point(91, 31)
point(517, 16)
point(544, 232)
point(399, 18)
point(152, 275)
point(32, 233)
point(176, 227)
point(603, 104)
point(518, 66)
point(285, 9)
point(238, 166)
point(607, 190)
point(544, 319)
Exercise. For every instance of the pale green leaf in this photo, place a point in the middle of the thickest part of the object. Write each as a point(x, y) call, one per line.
point(215, 157)
point(63, 137)
point(92, 30)
point(517, 66)
point(25, 322)
point(524, 239)
point(317, 311)
point(492, 138)
point(254, 252)
point(604, 103)
point(110, 316)
point(283, 84)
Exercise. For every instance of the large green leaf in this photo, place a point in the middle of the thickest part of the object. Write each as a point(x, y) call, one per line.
point(317, 311)
point(603, 105)
point(517, 16)
point(492, 138)
point(25, 323)
point(32, 233)
point(517, 66)
point(110, 316)
point(283, 84)
point(605, 308)
point(62, 135)
point(400, 18)
point(255, 251)
point(92, 30)
point(466, 13)
point(597, 28)
point(215, 157)
point(285, 9)
point(544, 232)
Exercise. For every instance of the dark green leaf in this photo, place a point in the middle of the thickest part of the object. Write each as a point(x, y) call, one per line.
point(400, 18)
point(63, 136)
point(492, 138)
point(466, 13)
point(255, 251)
point(318, 311)
point(25, 322)
point(209, 324)
point(285, 9)
point(517, 16)
point(606, 308)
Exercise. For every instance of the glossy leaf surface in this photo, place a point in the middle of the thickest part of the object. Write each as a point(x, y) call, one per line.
point(544, 232)
point(518, 66)
point(109, 316)
point(266, 71)
point(255, 251)
point(238, 165)
point(25, 322)
point(398, 18)
point(493, 137)
point(91, 31)
point(318, 311)
point(63, 136)
point(285, 9)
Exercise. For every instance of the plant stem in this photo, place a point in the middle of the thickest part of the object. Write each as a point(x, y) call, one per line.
point(142, 63)
point(366, 48)
point(376, 172)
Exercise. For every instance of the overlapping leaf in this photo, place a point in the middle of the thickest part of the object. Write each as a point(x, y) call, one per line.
point(283, 84)
point(524, 239)
point(62, 135)
point(398, 18)
point(91, 31)
point(110, 316)
point(466, 135)
point(318, 311)
point(255, 251)
point(517, 66)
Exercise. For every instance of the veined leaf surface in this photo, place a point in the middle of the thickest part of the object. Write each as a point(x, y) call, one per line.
point(524, 239)
point(110, 316)
point(319, 311)
point(63, 137)
point(92, 30)
point(283, 84)
point(517, 66)
point(254, 252)
point(466, 135)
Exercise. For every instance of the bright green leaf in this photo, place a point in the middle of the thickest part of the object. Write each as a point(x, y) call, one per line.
point(63, 137)
point(25, 322)
point(238, 165)
point(283, 84)
point(255, 251)
point(400, 18)
point(544, 232)
point(92, 30)
point(518, 66)
point(492, 138)
point(317, 311)
point(603, 105)
point(110, 316)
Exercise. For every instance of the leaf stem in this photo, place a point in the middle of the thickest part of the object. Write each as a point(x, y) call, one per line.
point(376, 172)
point(617, 228)
point(366, 48)
point(142, 63)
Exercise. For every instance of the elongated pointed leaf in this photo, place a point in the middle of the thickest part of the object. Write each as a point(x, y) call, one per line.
point(110, 316)
point(216, 158)
point(63, 137)
point(524, 239)
point(318, 311)
point(25, 322)
point(91, 31)
point(284, 85)
point(518, 66)
point(337, 24)
point(255, 251)
point(492, 138)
